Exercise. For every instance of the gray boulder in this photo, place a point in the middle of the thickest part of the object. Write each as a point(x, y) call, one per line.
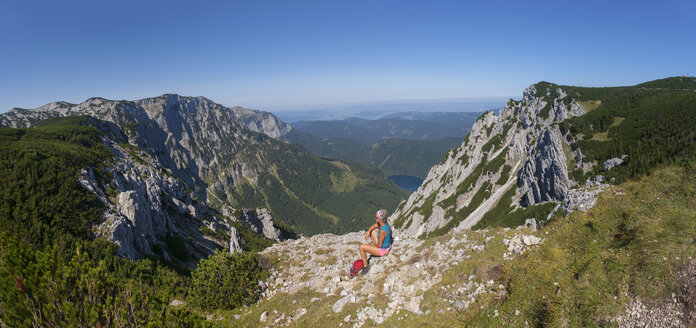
point(610, 163)
point(531, 224)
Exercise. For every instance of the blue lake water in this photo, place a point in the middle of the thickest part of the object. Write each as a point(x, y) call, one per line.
point(407, 182)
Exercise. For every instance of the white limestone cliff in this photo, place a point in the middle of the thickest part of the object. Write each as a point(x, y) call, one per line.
point(520, 148)
point(164, 149)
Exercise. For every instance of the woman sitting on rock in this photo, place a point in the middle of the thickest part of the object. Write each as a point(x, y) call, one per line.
point(380, 233)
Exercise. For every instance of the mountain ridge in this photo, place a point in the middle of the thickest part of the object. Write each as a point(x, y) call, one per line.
point(549, 150)
point(372, 131)
point(228, 166)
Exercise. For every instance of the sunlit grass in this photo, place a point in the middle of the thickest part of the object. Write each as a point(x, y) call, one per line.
point(590, 105)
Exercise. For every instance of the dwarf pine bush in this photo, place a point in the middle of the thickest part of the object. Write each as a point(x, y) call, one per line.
point(225, 281)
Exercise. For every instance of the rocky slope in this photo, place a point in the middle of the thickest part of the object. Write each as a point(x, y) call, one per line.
point(185, 133)
point(189, 135)
point(150, 212)
point(626, 262)
point(179, 159)
point(518, 156)
point(394, 284)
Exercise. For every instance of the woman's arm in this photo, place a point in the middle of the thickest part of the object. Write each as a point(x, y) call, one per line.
point(380, 239)
point(369, 230)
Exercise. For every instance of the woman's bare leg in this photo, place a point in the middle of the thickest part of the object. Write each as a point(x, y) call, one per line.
point(364, 249)
point(374, 236)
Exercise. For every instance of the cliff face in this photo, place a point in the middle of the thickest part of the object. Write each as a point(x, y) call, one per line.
point(225, 160)
point(195, 137)
point(148, 210)
point(518, 156)
point(164, 150)
point(544, 175)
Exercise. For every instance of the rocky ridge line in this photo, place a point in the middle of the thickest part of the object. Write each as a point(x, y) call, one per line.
point(164, 149)
point(471, 180)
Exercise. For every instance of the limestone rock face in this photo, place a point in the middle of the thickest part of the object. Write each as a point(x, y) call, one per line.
point(260, 220)
point(262, 122)
point(610, 163)
point(544, 175)
point(520, 148)
point(170, 153)
point(147, 209)
point(235, 245)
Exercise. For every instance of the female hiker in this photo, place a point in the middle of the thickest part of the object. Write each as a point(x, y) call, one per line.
point(380, 235)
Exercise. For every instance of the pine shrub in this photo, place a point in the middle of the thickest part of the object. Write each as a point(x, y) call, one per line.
point(225, 281)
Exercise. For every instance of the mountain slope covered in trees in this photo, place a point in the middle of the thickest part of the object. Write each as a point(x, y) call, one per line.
point(392, 156)
point(408, 125)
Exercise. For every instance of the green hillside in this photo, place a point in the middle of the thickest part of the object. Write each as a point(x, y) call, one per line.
point(392, 156)
point(52, 273)
point(314, 194)
point(634, 243)
point(41, 200)
point(649, 125)
point(676, 83)
point(372, 131)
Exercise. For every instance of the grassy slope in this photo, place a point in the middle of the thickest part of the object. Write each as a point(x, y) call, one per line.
point(629, 244)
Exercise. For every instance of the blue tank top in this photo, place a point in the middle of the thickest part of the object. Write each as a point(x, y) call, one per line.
point(387, 238)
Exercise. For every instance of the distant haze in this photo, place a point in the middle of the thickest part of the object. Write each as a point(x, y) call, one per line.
point(376, 110)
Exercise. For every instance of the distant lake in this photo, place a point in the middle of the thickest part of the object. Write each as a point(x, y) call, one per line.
point(407, 182)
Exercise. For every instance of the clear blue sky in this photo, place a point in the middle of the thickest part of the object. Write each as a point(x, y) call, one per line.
point(291, 54)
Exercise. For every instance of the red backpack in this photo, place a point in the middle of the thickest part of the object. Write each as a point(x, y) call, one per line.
point(357, 265)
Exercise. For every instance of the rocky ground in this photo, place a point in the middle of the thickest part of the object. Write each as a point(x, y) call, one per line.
point(393, 284)
point(677, 311)
point(310, 278)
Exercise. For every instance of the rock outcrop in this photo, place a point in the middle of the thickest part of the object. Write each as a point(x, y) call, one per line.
point(544, 175)
point(235, 245)
point(393, 284)
point(170, 154)
point(148, 211)
point(261, 221)
point(610, 163)
point(519, 153)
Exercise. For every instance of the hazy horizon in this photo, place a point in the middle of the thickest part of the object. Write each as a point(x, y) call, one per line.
point(277, 55)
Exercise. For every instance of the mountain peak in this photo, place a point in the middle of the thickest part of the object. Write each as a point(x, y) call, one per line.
point(515, 156)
